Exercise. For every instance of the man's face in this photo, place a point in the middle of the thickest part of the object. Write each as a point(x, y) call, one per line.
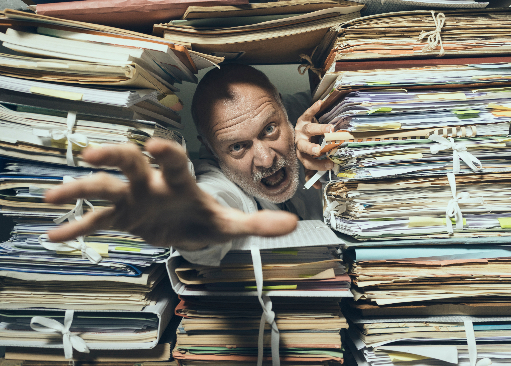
point(254, 143)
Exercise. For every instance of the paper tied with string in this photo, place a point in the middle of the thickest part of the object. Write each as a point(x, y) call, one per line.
point(93, 254)
point(66, 137)
point(88, 252)
point(308, 65)
point(268, 315)
point(47, 325)
point(453, 207)
point(459, 151)
point(434, 37)
point(472, 347)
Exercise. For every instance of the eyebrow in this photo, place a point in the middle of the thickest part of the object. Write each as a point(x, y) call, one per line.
point(266, 117)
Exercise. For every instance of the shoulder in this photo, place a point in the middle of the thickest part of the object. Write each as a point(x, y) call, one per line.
point(296, 104)
point(212, 180)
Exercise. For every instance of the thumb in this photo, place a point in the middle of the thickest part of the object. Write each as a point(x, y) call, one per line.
point(266, 223)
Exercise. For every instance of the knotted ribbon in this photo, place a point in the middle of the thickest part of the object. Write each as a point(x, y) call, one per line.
point(74, 215)
point(70, 246)
point(46, 325)
point(453, 207)
point(72, 138)
point(77, 212)
point(268, 315)
point(459, 151)
point(472, 347)
point(309, 65)
point(434, 37)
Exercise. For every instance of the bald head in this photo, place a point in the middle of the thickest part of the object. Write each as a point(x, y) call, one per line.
point(219, 86)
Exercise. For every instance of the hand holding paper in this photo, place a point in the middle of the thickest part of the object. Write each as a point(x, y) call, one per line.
point(165, 207)
point(306, 129)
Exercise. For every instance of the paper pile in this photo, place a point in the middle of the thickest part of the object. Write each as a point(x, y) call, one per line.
point(304, 280)
point(420, 185)
point(263, 33)
point(77, 87)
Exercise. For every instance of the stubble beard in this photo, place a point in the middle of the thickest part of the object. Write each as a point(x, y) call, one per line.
point(251, 185)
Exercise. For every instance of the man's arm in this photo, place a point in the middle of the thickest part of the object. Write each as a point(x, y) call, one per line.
point(306, 130)
point(165, 207)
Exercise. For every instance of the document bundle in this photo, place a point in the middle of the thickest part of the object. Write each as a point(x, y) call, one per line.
point(304, 279)
point(78, 85)
point(259, 33)
point(419, 192)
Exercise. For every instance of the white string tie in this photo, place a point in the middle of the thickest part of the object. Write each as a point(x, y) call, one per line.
point(472, 347)
point(74, 215)
point(453, 207)
point(459, 151)
point(69, 246)
point(47, 325)
point(434, 37)
point(77, 212)
point(268, 315)
point(72, 138)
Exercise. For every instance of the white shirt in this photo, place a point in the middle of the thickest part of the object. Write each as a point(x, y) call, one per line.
point(305, 203)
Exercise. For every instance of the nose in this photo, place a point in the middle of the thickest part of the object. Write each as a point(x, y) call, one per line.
point(264, 155)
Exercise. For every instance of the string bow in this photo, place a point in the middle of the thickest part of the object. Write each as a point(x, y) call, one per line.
point(453, 208)
point(434, 37)
point(459, 151)
point(47, 325)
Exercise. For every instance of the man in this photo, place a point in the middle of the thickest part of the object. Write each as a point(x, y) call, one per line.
point(241, 120)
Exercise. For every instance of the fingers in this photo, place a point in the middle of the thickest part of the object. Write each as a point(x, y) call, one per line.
point(100, 185)
point(311, 163)
point(312, 111)
point(173, 162)
point(126, 157)
point(314, 129)
point(263, 223)
point(90, 222)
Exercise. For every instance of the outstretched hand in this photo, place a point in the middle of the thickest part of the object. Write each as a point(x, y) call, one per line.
point(165, 207)
point(306, 130)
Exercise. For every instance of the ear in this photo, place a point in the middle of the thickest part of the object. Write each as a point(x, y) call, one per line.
point(206, 145)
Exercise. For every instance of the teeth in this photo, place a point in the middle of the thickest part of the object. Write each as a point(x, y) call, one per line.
point(273, 182)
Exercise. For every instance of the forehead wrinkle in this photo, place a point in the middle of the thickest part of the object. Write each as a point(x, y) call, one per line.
point(233, 123)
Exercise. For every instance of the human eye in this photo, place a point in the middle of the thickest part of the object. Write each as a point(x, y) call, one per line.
point(269, 129)
point(236, 148)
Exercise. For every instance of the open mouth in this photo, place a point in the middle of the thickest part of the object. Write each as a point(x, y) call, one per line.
point(275, 179)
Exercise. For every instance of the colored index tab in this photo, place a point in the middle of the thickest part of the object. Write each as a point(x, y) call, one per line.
point(278, 287)
point(405, 357)
point(379, 126)
point(127, 249)
point(442, 96)
point(101, 248)
point(420, 221)
point(505, 222)
point(346, 175)
point(56, 93)
point(466, 111)
point(379, 83)
point(380, 110)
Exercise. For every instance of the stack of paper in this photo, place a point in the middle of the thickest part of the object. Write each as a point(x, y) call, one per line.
point(222, 332)
point(422, 302)
point(275, 37)
point(304, 280)
point(131, 14)
point(420, 34)
point(420, 187)
point(80, 85)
